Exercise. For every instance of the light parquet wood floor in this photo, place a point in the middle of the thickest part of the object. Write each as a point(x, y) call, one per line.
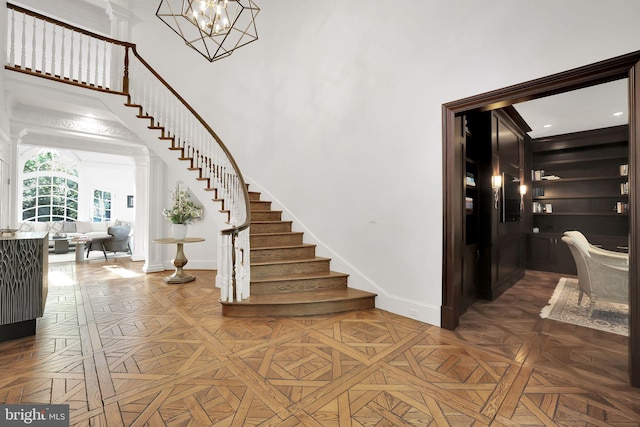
point(123, 348)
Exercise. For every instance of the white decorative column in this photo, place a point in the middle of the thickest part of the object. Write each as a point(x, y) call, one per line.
point(141, 206)
point(6, 219)
point(153, 214)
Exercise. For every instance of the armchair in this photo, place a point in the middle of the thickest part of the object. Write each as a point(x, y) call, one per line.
point(117, 241)
point(597, 279)
point(618, 259)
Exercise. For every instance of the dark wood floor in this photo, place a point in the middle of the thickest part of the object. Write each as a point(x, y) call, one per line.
point(124, 348)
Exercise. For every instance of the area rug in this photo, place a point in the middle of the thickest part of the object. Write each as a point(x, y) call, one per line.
point(606, 316)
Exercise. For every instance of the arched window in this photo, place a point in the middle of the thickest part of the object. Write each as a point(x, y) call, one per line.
point(49, 188)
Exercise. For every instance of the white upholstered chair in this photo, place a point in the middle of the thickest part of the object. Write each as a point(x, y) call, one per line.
point(618, 259)
point(598, 279)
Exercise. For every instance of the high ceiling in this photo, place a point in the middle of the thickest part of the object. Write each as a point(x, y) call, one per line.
point(578, 110)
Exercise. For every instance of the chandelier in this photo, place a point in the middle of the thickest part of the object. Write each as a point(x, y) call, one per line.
point(214, 28)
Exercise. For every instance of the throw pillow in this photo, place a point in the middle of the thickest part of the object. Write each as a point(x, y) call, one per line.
point(83, 227)
point(54, 227)
point(69, 227)
point(25, 226)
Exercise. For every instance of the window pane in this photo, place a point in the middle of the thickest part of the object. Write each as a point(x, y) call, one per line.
point(28, 203)
point(28, 214)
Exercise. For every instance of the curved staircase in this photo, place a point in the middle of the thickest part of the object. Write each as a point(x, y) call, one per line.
point(287, 278)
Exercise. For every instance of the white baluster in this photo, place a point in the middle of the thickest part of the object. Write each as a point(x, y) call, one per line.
point(182, 126)
point(43, 64)
point(23, 61)
point(97, 66)
point(53, 52)
point(105, 84)
point(12, 40)
point(71, 56)
point(33, 46)
point(239, 270)
point(160, 101)
point(79, 58)
point(62, 53)
point(219, 256)
point(88, 81)
point(171, 124)
point(247, 262)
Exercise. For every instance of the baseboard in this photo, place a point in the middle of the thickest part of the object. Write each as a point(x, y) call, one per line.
point(402, 307)
point(152, 268)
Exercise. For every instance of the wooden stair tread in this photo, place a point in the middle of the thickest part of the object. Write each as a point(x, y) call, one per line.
point(268, 248)
point(269, 222)
point(278, 233)
point(291, 277)
point(307, 297)
point(293, 261)
point(264, 210)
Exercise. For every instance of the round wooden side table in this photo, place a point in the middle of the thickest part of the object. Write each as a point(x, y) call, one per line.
point(180, 260)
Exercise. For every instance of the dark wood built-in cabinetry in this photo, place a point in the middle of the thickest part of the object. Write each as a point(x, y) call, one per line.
point(579, 182)
point(471, 182)
point(492, 144)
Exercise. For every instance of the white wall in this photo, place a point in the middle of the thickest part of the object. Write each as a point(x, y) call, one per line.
point(336, 111)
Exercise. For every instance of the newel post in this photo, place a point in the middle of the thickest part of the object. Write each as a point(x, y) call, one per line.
point(125, 77)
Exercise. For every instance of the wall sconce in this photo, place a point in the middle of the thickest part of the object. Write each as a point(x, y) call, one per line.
point(496, 184)
point(523, 191)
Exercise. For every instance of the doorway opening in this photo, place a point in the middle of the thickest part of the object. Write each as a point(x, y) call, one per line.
point(626, 66)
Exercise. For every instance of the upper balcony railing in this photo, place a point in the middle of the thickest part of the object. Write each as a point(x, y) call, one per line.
point(45, 47)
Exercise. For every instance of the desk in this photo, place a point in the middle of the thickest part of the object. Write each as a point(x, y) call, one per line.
point(180, 260)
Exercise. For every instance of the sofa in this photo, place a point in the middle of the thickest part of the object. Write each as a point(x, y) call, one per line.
point(72, 229)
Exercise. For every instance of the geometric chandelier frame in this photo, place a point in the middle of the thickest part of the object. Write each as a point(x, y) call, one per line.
point(214, 28)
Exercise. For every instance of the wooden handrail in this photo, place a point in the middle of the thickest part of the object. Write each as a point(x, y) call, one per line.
point(68, 26)
point(247, 222)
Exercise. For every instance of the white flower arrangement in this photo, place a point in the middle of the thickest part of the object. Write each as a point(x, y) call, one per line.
point(184, 210)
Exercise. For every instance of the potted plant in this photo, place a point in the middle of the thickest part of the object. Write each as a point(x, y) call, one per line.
point(183, 212)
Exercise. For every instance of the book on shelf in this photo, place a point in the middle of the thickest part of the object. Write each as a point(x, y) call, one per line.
point(624, 188)
point(470, 180)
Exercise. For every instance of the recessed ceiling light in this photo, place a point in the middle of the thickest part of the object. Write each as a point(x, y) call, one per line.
point(619, 113)
point(547, 126)
point(91, 115)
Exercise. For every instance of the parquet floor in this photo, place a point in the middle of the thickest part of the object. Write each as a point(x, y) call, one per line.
point(125, 349)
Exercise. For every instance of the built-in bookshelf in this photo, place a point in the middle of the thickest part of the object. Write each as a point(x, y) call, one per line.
point(579, 182)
